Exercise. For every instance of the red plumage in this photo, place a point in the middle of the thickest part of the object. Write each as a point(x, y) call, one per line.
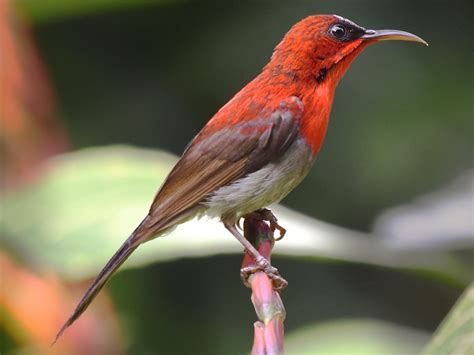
point(261, 144)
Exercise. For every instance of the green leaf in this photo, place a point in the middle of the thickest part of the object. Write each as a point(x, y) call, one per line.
point(40, 11)
point(455, 335)
point(355, 336)
point(88, 202)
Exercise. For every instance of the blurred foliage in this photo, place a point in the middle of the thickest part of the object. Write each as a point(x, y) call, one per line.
point(455, 334)
point(30, 129)
point(97, 193)
point(53, 10)
point(437, 220)
point(32, 306)
point(151, 73)
point(78, 200)
point(154, 76)
point(355, 336)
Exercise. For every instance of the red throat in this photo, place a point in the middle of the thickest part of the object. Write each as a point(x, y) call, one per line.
point(318, 99)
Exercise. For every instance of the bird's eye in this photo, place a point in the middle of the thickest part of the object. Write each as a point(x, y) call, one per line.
point(338, 31)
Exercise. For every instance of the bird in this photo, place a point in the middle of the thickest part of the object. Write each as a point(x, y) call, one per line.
point(260, 145)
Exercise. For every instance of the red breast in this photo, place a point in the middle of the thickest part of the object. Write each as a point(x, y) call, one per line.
point(307, 64)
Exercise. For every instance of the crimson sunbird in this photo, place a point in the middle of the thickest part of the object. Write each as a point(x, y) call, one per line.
point(260, 145)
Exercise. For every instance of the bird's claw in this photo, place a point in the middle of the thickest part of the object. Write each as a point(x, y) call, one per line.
point(240, 224)
point(262, 264)
point(266, 215)
point(281, 230)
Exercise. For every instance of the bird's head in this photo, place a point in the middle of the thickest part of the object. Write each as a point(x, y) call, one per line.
point(321, 47)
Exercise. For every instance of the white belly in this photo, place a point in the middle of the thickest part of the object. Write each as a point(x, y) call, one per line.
point(263, 187)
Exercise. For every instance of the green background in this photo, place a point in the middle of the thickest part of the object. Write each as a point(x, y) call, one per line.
point(151, 73)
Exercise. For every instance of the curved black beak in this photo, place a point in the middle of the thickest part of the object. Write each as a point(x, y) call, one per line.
point(387, 35)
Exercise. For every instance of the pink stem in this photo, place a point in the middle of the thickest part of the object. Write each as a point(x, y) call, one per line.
point(269, 329)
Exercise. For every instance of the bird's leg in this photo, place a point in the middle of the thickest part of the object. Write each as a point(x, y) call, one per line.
point(249, 248)
point(260, 262)
point(264, 214)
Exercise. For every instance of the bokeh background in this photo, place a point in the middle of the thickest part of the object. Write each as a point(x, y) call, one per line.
point(93, 93)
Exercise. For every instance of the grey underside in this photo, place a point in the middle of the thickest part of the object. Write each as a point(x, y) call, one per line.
point(263, 187)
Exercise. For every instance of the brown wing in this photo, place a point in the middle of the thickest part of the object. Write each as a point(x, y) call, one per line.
point(216, 159)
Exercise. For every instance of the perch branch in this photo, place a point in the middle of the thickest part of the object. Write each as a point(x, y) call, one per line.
point(269, 329)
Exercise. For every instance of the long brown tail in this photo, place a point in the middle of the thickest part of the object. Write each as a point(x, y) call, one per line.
point(119, 257)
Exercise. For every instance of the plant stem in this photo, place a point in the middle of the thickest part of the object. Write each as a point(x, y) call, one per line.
point(269, 329)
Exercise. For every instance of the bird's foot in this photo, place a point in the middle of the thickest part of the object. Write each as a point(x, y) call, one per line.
point(264, 214)
point(262, 264)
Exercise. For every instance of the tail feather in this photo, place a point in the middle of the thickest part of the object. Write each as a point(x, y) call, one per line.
point(119, 257)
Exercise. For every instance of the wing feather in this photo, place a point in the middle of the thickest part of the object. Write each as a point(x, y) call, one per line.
point(217, 158)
